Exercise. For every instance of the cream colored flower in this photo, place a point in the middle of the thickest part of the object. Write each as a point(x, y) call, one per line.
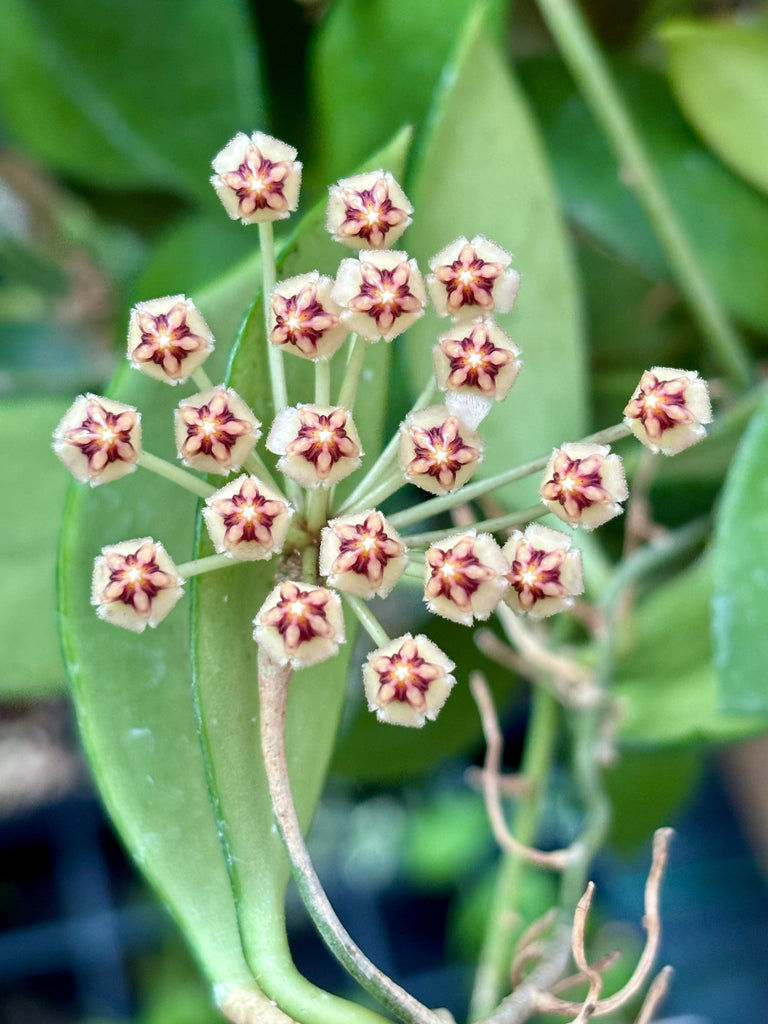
point(135, 584)
point(476, 358)
point(368, 211)
point(257, 178)
point(362, 554)
point(545, 573)
point(304, 318)
point(300, 624)
point(98, 439)
point(472, 277)
point(382, 294)
point(465, 577)
point(407, 681)
point(247, 519)
point(318, 444)
point(168, 338)
point(438, 451)
point(583, 484)
point(668, 409)
point(215, 430)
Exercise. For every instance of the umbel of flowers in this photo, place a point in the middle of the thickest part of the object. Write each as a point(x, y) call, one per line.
point(351, 551)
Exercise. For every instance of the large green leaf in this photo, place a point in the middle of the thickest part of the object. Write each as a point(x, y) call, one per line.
point(30, 661)
point(140, 94)
point(226, 670)
point(740, 602)
point(720, 75)
point(726, 220)
point(133, 697)
point(665, 679)
point(376, 65)
point(482, 171)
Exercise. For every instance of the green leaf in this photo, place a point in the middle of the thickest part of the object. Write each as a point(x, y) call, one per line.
point(665, 680)
point(646, 789)
point(740, 600)
point(719, 72)
point(726, 220)
point(30, 660)
point(376, 64)
point(226, 670)
point(125, 95)
point(133, 697)
point(482, 171)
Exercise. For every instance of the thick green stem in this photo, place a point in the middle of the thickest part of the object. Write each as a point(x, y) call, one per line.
point(273, 692)
point(591, 73)
point(503, 928)
point(354, 368)
point(201, 565)
point(323, 382)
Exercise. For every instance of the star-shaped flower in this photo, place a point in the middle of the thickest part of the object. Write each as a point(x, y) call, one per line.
point(319, 444)
point(362, 554)
point(300, 624)
point(382, 293)
point(583, 484)
point(98, 439)
point(407, 681)
point(257, 178)
point(135, 584)
point(465, 577)
point(545, 574)
point(668, 409)
point(478, 359)
point(247, 519)
point(368, 211)
point(168, 338)
point(472, 277)
point(304, 317)
point(438, 452)
point(215, 430)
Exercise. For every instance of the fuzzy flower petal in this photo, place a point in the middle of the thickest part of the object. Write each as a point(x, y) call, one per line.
point(465, 577)
point(438, 451)
point(215, 430)
point(257, 178)
point(584, 485)
point(472, 277)
point(668, 409)
point(168, 338)
point(382, 294)
point(318, 444)
point(304, 319)
point(545, 573)
point(362, 554)
point(368, 211)
point(407, 681)
point(247, 519)
point(300, 624)
point(135, 584)
point(98, 439)
point(476, 358)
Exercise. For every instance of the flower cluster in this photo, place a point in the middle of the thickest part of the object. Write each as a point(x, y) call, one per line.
point(350, 550)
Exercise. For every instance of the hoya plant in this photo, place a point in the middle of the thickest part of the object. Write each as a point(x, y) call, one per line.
point(378, 499)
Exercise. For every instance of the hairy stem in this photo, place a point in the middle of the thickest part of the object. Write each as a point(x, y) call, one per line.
point(591, 73)
point(273, 695)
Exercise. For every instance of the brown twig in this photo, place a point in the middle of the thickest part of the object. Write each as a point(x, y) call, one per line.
point(529, 946)
point(548, 1003)
point(273, 697)
point(592, 975)
point(601, 964)
point(655, 995)
point(554, 859)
